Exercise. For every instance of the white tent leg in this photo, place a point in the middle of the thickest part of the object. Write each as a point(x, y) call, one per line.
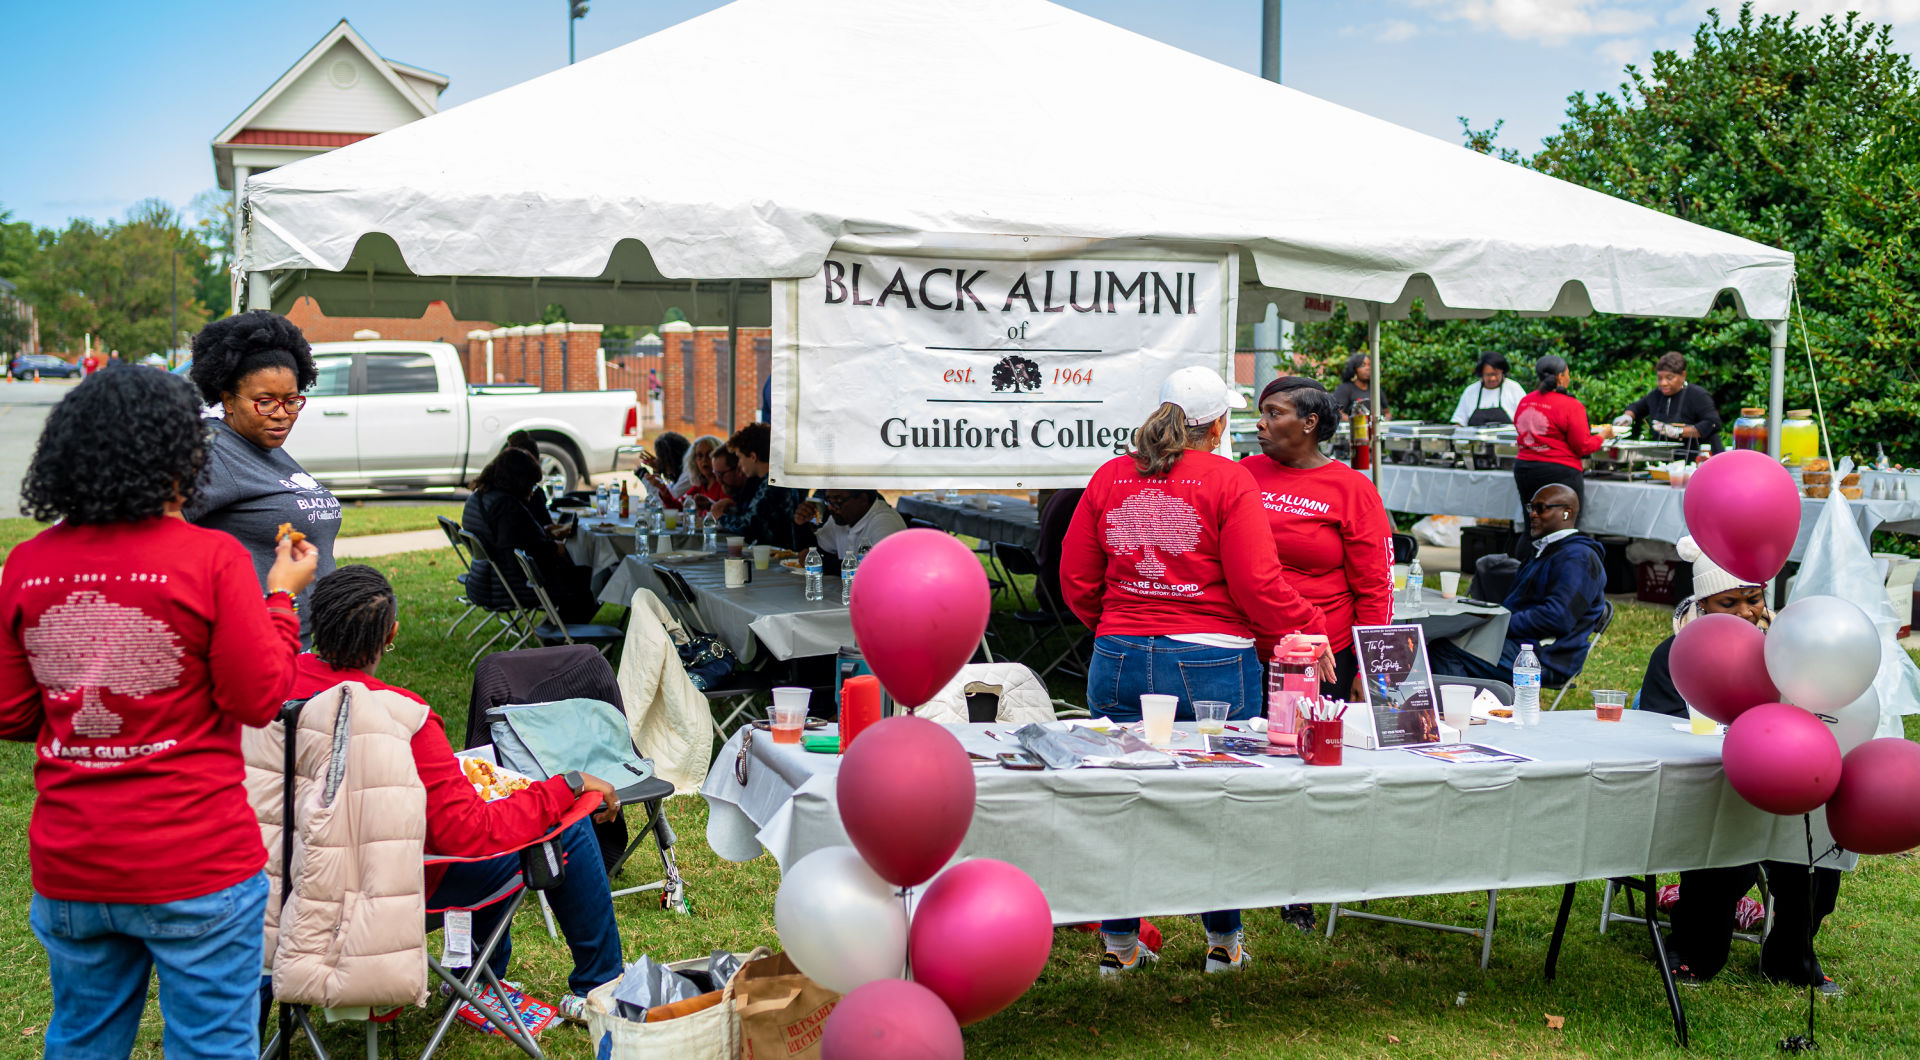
point(1776, 383)
point(259, 291)
point(1373, 389)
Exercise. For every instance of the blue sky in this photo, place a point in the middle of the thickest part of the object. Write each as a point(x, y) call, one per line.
point(108, 103)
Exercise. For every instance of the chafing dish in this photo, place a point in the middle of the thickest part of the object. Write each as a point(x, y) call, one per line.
point(1485, 448)
point(1629, 458)
point(1413, 442)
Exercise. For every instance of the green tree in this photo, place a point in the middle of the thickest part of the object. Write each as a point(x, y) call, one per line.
point(212, 211)
point(117, 282)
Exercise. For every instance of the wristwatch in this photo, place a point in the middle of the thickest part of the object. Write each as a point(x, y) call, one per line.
point(576, 782)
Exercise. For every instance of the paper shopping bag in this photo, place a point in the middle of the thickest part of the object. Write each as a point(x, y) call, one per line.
point(782, 1012)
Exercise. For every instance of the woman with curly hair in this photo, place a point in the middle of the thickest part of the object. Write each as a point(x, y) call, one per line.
point(133, 648)
point(254, 367)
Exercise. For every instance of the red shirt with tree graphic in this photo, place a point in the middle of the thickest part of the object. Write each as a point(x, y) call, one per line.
point(132, 655)
point(1188, 552)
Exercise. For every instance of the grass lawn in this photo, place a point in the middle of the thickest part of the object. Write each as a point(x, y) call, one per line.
point(1375, 990)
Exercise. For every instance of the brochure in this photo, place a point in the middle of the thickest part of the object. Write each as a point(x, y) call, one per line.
point(1466, 752)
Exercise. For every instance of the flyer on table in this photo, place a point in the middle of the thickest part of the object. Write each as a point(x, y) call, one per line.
point(1402, 704)
point(997, 365)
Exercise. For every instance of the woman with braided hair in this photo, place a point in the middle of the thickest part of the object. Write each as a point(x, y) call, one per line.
point(356, 616)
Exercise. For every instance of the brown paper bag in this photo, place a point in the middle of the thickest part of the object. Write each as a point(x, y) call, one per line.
point(782, 1012)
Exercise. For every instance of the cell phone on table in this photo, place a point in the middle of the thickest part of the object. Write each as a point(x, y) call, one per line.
point(1020, 760)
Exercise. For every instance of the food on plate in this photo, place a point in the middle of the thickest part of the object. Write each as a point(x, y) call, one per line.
point(1850, 480)
point(1851, 493)
point(1815, 464)
point(285, 531)
point(790, 563)
point(1501, 712)
point(1816, 478)
point(491, 781)
point(1819, 491)
point(784, 553)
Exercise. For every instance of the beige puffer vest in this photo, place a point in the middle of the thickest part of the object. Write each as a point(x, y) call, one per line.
point(355, 925)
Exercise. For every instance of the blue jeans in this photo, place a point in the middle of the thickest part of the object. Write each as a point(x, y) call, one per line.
point(208, 952)
point(582, 907)
point(1124, 668)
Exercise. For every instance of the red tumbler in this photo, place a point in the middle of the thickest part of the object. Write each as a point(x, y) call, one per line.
point(859, 707)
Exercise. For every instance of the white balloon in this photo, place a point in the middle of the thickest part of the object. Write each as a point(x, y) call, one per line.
point(1822, 653)
point(1855, 723)
point(840, 922)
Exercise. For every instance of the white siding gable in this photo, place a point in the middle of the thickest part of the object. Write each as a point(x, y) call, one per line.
point(339, 93)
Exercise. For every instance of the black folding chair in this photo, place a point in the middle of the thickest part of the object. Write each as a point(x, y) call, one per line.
point(742, 686)
point(556, 630)
point(1049, 617)
point(1405, 547)
point(513, 616)
point(452, 530)
point(1647, 888)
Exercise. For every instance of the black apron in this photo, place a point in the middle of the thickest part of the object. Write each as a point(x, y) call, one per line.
point(1488, 417)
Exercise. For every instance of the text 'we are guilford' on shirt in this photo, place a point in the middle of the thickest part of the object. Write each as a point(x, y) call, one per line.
point(1144, 292)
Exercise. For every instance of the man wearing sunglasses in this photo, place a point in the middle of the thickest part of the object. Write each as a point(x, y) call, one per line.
point(1557, 599)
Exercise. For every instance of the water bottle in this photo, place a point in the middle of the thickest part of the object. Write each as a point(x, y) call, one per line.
point(640, 542)
point(848, 565)
point(1416, 584)
point(659, 517)
point(1291, 677)
point(1526, 686)
point(710, 537)
point(816, 570)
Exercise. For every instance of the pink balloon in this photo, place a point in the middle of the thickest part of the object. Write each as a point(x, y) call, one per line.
point(1743, 512)
point(891, 1019)
point(1876, 808)
point(1778, 757)
point(980, 936)
point(920, 604)
point(1719, 666)
point(906, 796)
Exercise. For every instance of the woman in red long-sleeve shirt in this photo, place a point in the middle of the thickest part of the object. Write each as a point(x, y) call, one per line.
point(1170, 562)
point(1553, 434)
point(133, 648)
point(356, 616)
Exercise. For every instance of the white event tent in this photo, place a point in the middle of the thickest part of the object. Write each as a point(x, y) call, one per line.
point(691, 167)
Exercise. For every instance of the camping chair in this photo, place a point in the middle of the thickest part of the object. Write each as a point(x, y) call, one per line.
point(513, 616)
point(541, 866)
point(556, 630)
point(1017, 560)
point(1405, 547)
point(573, 671)
point(452, 530)
point(741, 686)
point(1593, 641)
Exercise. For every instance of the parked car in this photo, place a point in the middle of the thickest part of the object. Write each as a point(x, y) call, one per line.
point(401, 416)
point(31, 366)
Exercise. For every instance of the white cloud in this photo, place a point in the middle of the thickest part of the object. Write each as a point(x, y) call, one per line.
point(1623, 50)
point(1550, 21)
point(1889, 11)
point(1396, 30)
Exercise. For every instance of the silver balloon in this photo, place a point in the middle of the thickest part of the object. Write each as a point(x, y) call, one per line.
point(840, 922)
point(1855, 723)
point(1822, 653)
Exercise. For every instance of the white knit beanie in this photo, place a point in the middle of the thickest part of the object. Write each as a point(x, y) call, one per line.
point(1708, 580)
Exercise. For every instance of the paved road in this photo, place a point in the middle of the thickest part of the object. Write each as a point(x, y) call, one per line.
point(23, 411)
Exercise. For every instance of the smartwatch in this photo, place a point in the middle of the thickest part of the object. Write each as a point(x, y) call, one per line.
point(576, 782)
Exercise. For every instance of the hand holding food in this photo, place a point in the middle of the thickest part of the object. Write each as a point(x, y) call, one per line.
point(294, 562)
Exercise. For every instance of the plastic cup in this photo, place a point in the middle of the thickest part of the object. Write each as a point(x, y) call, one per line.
point(1609, 704)
point(1210, 716)
point(1700, 724)
point(788, 714)
point(1456, 706)
point(673, 520)
point(736, 546)
point(1449, 584)
point(1399, 577)
point(1157, 712)
point(762, 556)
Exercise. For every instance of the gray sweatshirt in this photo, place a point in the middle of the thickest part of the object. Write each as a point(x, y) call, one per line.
point(248, 492)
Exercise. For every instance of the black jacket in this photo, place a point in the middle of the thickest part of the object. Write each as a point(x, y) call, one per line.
point(1691, 407)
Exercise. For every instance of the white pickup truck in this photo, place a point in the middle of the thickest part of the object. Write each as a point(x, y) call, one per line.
point(401, 416)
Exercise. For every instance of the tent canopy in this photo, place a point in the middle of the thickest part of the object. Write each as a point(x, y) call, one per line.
point(740, 145)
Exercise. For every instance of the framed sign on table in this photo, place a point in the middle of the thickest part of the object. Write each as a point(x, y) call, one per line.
point(1403, 707)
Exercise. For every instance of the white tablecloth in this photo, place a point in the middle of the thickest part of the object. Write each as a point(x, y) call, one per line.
point(773, 611)
point(1651, 510)
point(599, 543)
point(1443, 620)
point(1602, 799)
point(1010, 519)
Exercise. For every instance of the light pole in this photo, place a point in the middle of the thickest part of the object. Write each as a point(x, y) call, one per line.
point(576, 10)
point(1270, 40)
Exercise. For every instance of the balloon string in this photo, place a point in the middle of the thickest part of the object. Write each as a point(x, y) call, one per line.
point(1805, 1043)
point(906, 906)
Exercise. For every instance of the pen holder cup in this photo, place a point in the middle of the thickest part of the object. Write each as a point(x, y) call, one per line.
point(1321, 741)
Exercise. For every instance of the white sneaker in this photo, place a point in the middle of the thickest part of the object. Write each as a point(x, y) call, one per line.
point(573, 1007)
point(1228, 958)
point(1113, 962)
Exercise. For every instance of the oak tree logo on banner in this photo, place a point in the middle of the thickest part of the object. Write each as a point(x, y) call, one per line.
point(1016, 373)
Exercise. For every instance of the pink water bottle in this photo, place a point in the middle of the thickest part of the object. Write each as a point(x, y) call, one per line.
point(1290, 676)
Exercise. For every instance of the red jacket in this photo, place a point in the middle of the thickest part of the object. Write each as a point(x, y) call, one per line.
point(1553, 429)
point(1187, 553)
point(1334, 540)
point(459, 822)
point(132, 655)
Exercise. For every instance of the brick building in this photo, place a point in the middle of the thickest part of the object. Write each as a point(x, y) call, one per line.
point(437, 324)
point(696, 371)
point(549, 356)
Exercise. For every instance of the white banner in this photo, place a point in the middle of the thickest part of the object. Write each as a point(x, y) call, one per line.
point(1000, 368)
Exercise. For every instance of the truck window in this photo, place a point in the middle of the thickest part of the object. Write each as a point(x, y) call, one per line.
point(401, 373)
point(335, 371)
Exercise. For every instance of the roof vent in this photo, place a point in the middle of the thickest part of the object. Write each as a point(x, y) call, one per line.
point(343, 73)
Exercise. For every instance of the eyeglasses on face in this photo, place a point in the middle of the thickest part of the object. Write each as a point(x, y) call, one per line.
point(265, 406)
point(1541, 509)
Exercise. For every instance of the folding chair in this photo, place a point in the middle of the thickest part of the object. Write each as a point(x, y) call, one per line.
point(541, 867)
point(1647, 888)
point(1405, 547)
point(452, 530)
point(1608, 917)
point(1017, 559)
point(1593, 641)
point(556, 630)
point(741, 686)
point(984, 550)
point(513, 617)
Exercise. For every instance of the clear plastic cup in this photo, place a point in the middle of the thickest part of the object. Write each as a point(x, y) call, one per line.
point(1449, 584)
point(762, 556)
point(1456, 706)
point(1157, 712)
point(1210, 716)
point(788, 715)
point(1609, 704)
point(1700, 724)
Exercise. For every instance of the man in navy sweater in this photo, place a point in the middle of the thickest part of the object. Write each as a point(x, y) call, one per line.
point(1557, 599)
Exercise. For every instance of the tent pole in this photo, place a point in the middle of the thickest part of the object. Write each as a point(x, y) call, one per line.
point(1776, 383)
point(259, 290)
point(1373, 388)
point(733, 355)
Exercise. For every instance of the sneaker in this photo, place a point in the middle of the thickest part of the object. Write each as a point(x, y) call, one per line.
point(1828, 988)
point(1683, 975)
point(1300, 916)
point(573, 1007)
point(1114, 963)
point(1228, 958)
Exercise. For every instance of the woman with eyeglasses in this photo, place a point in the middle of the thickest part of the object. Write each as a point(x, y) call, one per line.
point(254, 366)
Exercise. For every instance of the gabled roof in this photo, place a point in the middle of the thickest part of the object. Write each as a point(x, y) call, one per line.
point(341, 31)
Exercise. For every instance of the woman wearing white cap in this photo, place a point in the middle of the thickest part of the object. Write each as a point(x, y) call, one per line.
point(1712, 902)
point(1169, 560)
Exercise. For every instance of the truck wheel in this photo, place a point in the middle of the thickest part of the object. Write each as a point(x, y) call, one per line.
point(557, 462)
